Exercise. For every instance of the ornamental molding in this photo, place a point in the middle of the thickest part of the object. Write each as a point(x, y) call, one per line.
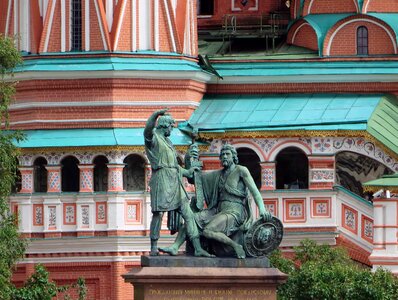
point(269, 147)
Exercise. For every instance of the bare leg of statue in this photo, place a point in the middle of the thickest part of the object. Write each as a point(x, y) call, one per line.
point(180, 239)
point(156, 223)
point(212, 232)
point(192, 229)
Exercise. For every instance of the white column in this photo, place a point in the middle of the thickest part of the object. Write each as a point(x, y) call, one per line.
point(385, 251)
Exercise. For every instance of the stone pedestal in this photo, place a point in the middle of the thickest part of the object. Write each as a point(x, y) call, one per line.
point(191, 278)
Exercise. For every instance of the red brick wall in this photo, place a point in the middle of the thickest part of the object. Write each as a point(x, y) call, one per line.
point(124, 43)
point(381, 6)
point(344, 42)
point(329, 6)
point(37, 26)
point(127, 90)
point(164, 31)
point(3, 15)
point(305, 36)
point(104, 280)
point(54, 44)
point(96, 42)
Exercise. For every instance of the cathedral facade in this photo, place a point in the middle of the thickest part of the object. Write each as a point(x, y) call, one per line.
point(306, 90)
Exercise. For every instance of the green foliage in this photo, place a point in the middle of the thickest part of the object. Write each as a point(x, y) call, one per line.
point(39, 287)
point(323, 272)
point(9, 59)
point(12, 247)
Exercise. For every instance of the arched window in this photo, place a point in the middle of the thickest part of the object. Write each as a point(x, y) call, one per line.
point(248, 158)
point(40, 175)
point(206, 7)
point(353, 169)
point(76, 25)
point(291, 169)
point(362, 40)
point(70, 174)
point(134, 173)
point(100, 174)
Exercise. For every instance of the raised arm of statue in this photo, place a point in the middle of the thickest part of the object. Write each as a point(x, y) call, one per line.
point(251, 185)
point(151, 123)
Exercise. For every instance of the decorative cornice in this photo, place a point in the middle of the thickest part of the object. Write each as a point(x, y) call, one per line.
point(297, 133)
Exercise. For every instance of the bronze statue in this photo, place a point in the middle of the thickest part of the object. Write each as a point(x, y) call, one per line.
point(167, 190)
point(228, 215)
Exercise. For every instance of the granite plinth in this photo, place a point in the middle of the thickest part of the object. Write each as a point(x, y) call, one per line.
point(203, 262)
point(211, 282)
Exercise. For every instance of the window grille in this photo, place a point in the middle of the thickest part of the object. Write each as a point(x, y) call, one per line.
point(362, 40)
point(76, 25)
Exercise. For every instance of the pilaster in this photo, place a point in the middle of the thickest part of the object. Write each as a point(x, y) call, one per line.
point(385, 250)
point(268, 176)
point(54, 178)
point(86, 178)
point(26, 179)
point(321, 172)
point(115, 177)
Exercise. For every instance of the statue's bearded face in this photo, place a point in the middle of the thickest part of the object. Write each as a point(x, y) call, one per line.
point(168, 130)
point(227, 158)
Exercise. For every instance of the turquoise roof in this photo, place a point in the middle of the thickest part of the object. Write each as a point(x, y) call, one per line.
point(322, 24)
point(282, 112)
point(376, 114)
point(390, 18)
point(306, 68)
point(92, 137)
point(107, 64)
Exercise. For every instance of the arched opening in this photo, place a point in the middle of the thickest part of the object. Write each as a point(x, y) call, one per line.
point(353, 169)
point(291, 169)
point(76, 25)
point(205, 7)
point(248, 158)
point(70, 174)
point(134, 173)
point(362, 41)
point(40, 175)
point(100, 174)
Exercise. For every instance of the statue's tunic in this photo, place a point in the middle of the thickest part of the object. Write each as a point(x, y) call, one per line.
point(225, 195)
point(165, 183)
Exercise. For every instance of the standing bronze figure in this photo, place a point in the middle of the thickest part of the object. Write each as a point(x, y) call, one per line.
point(167, 191)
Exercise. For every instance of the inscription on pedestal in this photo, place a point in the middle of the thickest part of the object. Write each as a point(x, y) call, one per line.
point(209, 293)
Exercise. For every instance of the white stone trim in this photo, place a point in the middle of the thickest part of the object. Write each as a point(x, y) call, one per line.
point(360, 20)
point(170, 25)
point(8, 17)
point(305, 78)
point(144, 25)
point(63, 25)
point(50, 24)
point(31, 105)
point(83, 121)
point(365, 8)
point(134, 25)
point(156, 24)
point(298, 28)
point(109, 14)
point(16, 15)
point(87, 25)
point(187, 32)
point(100, 25)
point(24, 22)
point(178, 75)
point(119, 28)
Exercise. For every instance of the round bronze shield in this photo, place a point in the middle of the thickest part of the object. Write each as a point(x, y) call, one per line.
point(263, 237)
